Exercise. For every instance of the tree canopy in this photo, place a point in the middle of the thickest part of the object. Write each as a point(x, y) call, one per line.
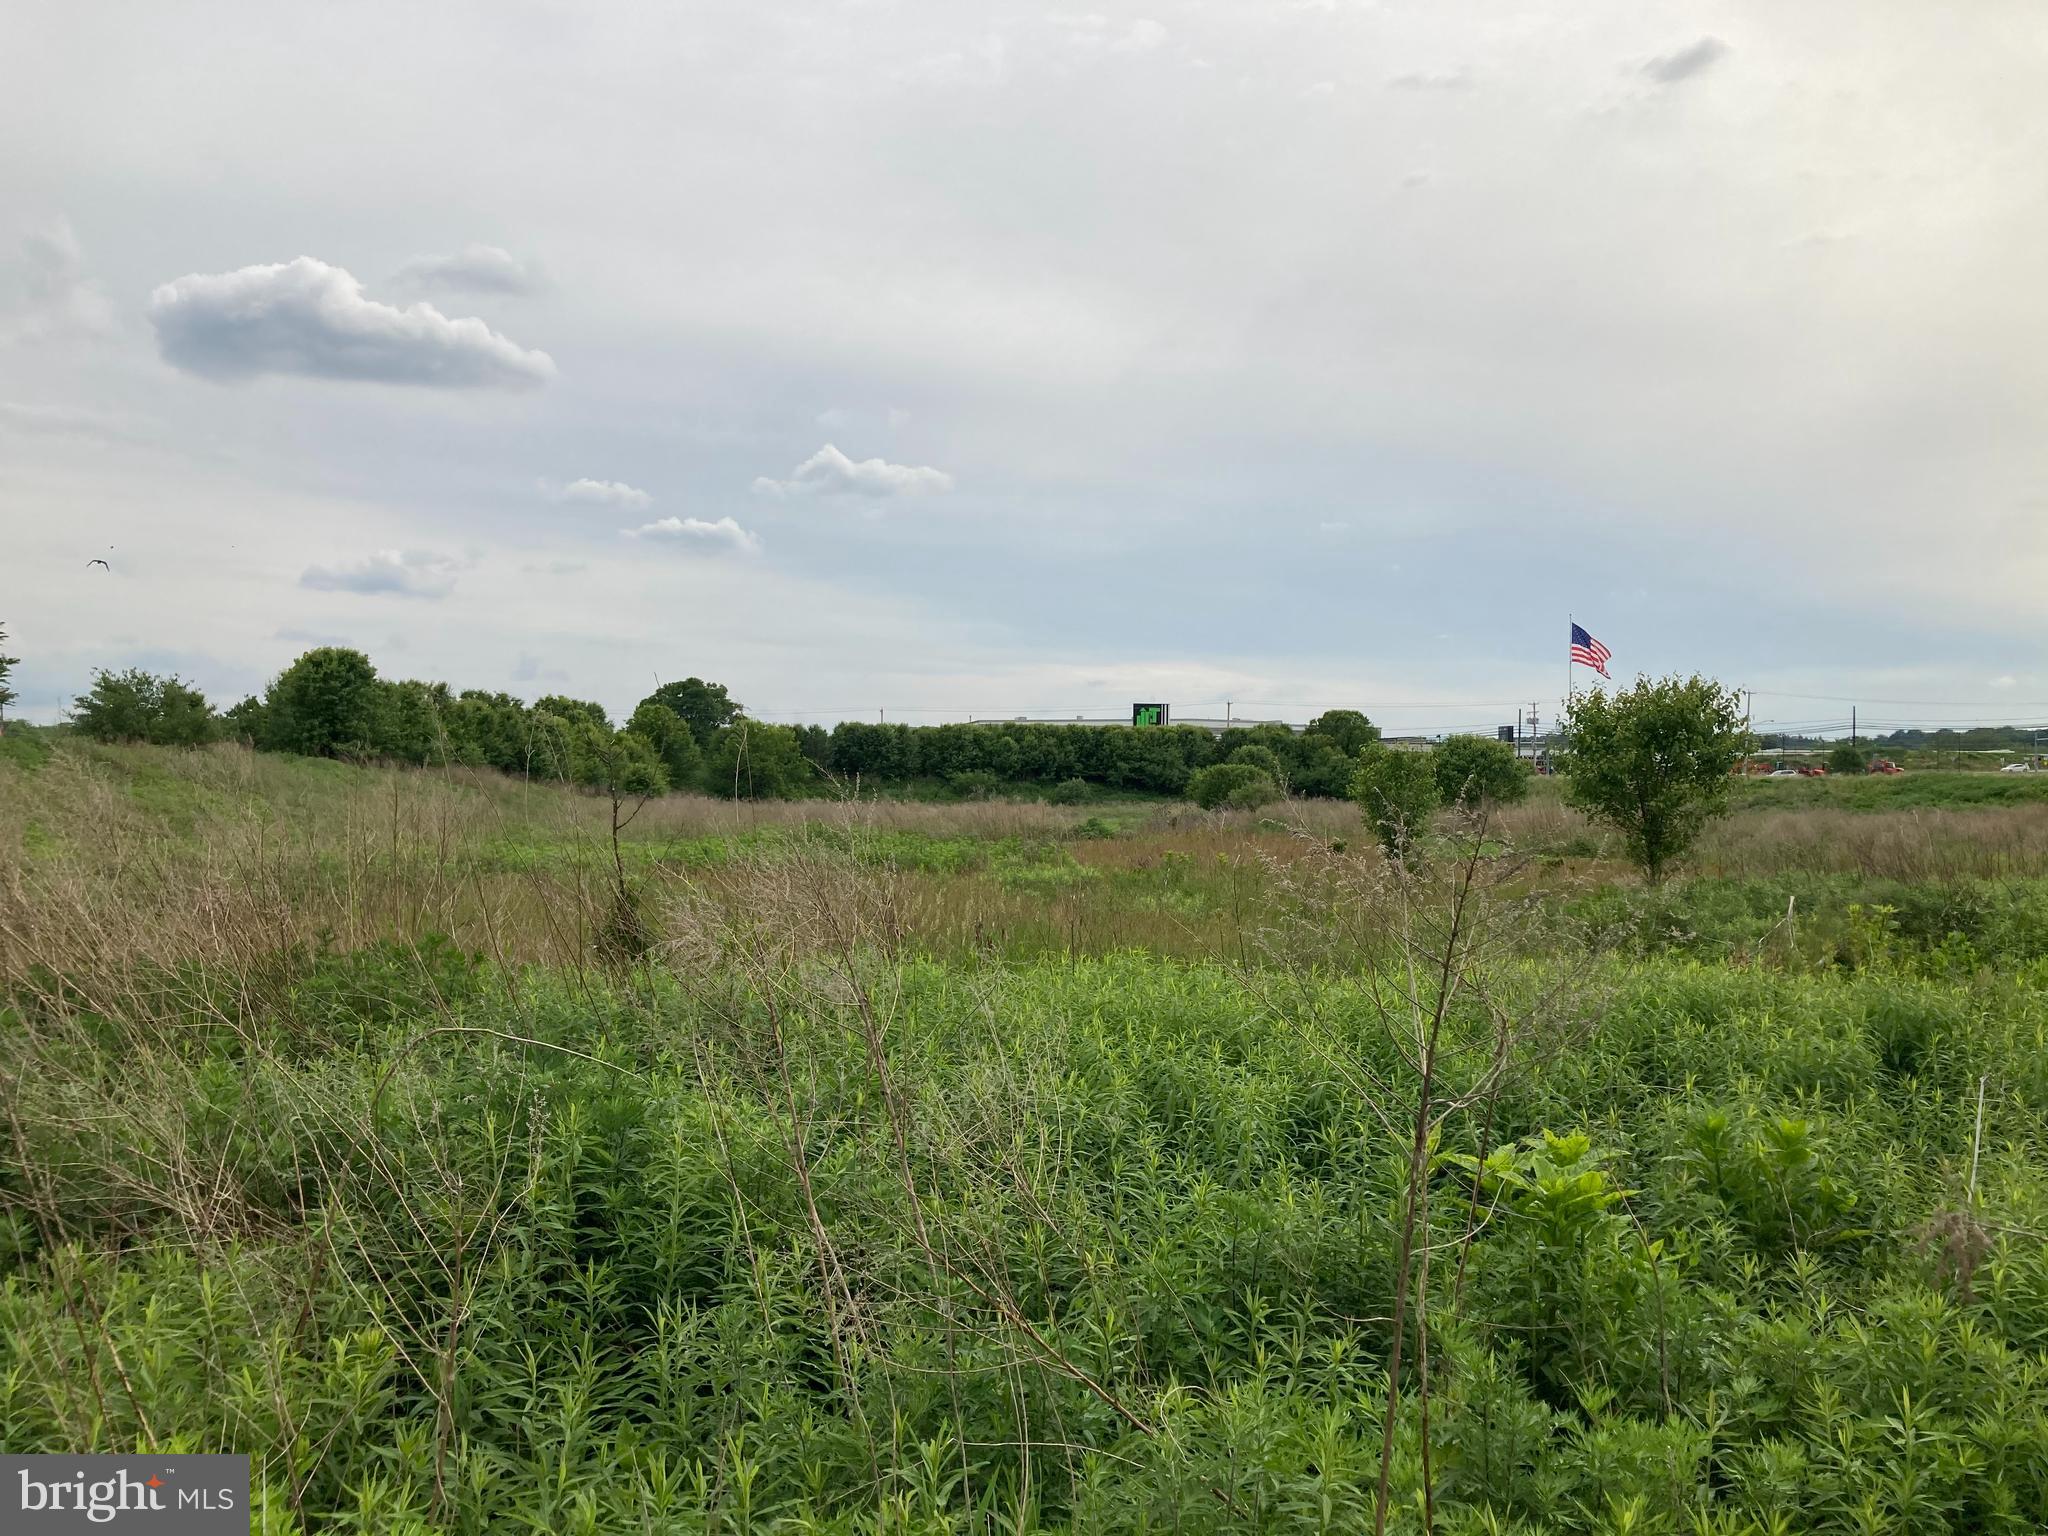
point(1653, 762)
point(140, 706)
point(706, 708)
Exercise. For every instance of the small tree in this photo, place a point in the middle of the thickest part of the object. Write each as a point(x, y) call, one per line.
point(1471, 770)
point(1232, 786)
point(1262, 757)
point(1349, 729)
point(323, 705)
point(140, 706)
point(1397, 792)
point(1846, 757)
point(670, 736)
point(752, 761)
point(7, 694)
point(621, 766)
point(706, 708)
point(1653, 762)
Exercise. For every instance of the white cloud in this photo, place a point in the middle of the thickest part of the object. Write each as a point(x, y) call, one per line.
point(306, 317)
point(1695, 58)
point(830, 472)
point(473, 269)
point(2006, 681)
point(604, 493)
point(697, 530)
point(393, 572)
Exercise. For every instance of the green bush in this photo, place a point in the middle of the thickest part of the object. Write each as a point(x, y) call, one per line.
point(1397, 792)
point(1471, 770)
point(1070, 792)
point(139, 706)
point(1653, 761)
point(1234, 785)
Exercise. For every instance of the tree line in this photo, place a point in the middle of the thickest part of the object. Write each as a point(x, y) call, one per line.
point(693, 734)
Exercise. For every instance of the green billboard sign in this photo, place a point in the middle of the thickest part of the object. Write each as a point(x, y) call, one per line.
point(1148, 714)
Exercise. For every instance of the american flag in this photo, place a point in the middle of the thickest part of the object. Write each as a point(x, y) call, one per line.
point(1588, 652)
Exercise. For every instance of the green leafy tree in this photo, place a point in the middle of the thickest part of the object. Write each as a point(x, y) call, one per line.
point(705, 707)
point(1233, 786)
point(411, 721)
point(246, 722)
point(1349, 729)
point(140, 706)
point(669, 735)
point(1653, 761)
point(573, 709)
point(621, 764)
point(1471, 770)
point(1846, 757)
point(1262, 757)
point(325, 704)
point(753, 761)
point(1397, 792)
point(7, 694)
point(1321, 768)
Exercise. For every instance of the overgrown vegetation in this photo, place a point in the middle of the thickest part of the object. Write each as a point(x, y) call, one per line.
point(1019, 1166)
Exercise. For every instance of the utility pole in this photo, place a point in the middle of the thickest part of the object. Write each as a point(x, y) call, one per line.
point(1535, 734)
point(1852, 725)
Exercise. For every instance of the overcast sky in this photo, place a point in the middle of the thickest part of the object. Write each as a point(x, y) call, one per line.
point(943, 356)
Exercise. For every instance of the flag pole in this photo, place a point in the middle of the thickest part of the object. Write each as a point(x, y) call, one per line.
point(1570, 624)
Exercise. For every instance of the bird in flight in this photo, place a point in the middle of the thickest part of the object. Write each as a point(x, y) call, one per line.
point(100, 563)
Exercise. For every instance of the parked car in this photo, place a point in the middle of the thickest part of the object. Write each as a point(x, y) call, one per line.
point(1784, 773)
point(2017, 768)
point(1882, 765)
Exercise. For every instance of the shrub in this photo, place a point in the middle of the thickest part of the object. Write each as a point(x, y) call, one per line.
point(1653, 762)
point(1470, 770)
point(1397, 792)
point(140, 706)
point(1070, 792)
point(1846, 757)
point(1234, 786)
point(1263, 758)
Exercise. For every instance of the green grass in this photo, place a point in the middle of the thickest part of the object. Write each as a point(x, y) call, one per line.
point(876, 1198)
point(1906, 791)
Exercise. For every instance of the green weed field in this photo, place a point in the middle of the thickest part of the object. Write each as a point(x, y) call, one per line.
point(1004, 1167)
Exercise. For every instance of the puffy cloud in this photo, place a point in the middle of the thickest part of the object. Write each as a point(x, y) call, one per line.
point(473, 269)
point(393, 572)
point(306, 317)
point(604, 493)
point(830, 472)
point(1695, 58)
point(696, 530)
